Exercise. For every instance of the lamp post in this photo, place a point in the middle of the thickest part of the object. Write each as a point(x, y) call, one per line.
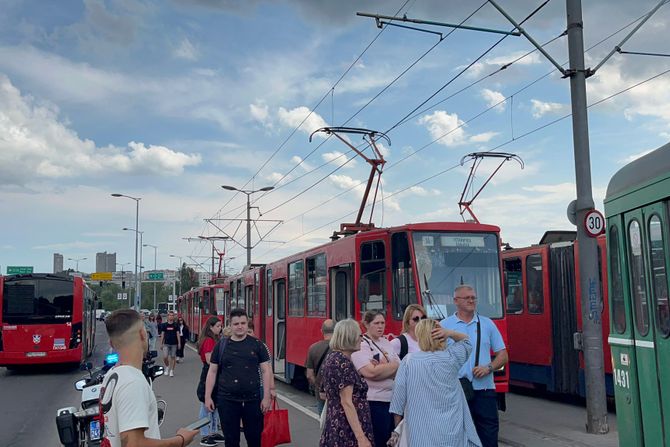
point(137, 225)
point(138, 277)
point(76, 260)
point(155, 251)
point(178, 270)
point(248, 193)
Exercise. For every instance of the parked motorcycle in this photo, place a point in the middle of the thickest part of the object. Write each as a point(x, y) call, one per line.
point(85, 427)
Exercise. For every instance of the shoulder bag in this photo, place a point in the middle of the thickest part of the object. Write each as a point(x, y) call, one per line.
point(468, 390)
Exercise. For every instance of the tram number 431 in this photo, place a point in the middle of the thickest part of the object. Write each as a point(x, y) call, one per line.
point(621, 378)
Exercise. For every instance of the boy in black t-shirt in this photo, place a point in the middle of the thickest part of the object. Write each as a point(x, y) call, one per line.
point(235, 372)
point(170, 339)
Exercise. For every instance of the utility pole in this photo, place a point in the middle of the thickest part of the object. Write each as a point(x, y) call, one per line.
point(592, 340)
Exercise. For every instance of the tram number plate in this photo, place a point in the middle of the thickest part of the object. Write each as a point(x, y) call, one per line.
point(621, 378)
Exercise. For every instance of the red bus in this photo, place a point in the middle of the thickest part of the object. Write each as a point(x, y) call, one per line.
point(46, 319)
point(383, 268)
point(544, 312)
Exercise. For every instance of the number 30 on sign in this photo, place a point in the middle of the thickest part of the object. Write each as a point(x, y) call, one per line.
point(594, 223)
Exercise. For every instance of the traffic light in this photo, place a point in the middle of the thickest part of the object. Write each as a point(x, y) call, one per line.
point(123, 284)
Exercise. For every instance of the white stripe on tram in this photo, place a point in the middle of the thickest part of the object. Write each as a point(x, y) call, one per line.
point(628, 342)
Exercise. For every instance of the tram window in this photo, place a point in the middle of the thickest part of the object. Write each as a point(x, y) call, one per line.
point(513, 285)
point(341, 296)
point(404, 292)
point(637, 278)
point(296, 289)
point(372, 284)
point(534, 284)
point(280, 293)
point(659, 277)
point(240, 297)
point(316, 286)
point(268, 293)
point(219, 301)
point(205, 301)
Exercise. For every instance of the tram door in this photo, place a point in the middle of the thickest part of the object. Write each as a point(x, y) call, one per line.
point(280, 327)
point(646, 232)
point(341, 292)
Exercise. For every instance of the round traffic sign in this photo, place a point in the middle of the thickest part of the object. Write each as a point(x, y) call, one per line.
point(594, 223)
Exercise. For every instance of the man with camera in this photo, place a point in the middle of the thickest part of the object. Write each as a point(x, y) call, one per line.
point(127, 400)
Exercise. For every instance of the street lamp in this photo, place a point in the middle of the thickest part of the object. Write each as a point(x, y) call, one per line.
point(137, 225)
point(248, 193)
point(138, 278)
point(178, 270)
point(76, 260)
point(155, 251)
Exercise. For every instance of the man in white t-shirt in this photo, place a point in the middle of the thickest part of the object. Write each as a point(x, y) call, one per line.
point(128, 402)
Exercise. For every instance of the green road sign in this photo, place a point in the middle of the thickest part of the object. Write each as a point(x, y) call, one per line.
point(155, 276)
point(19, 270)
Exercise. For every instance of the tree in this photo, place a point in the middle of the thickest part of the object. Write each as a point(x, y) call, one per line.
point(188, 278)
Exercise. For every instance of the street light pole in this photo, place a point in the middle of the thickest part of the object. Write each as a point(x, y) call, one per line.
point(155, 251)
point(76, 260)
point(138, 278)
point(248, 193)
point(137, 224)
point(179, 271)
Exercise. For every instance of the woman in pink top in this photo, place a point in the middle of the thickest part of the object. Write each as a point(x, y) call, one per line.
point(377, 363)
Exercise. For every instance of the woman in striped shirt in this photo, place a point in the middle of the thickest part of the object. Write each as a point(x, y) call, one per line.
point(428, 394)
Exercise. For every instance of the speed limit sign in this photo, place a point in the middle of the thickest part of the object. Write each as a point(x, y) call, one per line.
point(594, 223)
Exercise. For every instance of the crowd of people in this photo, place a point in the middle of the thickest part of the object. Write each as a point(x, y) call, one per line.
point(430, 386)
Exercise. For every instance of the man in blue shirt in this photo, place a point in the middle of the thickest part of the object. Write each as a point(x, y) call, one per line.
point(484, 404)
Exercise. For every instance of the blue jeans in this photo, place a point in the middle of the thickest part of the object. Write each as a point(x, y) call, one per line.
point(213, 427)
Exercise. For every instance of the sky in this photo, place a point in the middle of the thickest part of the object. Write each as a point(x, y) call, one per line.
point(169, 100)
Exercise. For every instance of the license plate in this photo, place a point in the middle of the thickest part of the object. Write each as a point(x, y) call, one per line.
point(36, 354)
point(94, 430)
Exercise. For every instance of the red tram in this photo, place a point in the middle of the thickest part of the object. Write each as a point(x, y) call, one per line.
point(383, 268)
point(543, 309)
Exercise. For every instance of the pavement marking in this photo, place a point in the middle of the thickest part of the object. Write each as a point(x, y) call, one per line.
point(191, 348)
point(299, 407)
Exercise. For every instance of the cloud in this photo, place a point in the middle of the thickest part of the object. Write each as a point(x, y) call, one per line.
point(186, 50)
point(303, 164)
point(494, 98)
point(634, 157)
point(339, 157)
point(449, 130)
point(541, 108)
point(301, 116)
point(37, 145)
point(531, 59)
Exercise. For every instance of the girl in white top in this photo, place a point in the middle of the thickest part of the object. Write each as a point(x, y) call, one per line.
point(413, 314)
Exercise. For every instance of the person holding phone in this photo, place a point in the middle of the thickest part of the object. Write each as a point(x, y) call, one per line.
point(377, 363)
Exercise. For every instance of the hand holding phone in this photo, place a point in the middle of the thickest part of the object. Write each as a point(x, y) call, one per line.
point(198, 424)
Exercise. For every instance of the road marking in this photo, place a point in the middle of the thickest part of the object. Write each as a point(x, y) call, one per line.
point(299, 407)
point(191, 348)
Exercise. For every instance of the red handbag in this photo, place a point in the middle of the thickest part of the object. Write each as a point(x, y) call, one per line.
point(276, 429)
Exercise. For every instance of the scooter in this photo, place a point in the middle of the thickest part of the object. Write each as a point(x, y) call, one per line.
point(85, 428)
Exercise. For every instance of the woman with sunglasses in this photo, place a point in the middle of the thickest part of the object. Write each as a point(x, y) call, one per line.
point(377, 363)
point(184, 334)
point(406, 342)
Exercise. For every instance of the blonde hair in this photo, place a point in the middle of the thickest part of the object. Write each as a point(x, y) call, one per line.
point(409, 310)
point(346, 336)
point(227, 331)
point(424, 337)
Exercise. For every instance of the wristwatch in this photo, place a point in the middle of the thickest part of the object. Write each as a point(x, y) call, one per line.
point(490, 368)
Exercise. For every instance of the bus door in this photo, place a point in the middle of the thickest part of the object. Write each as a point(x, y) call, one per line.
point(279, 324)
point(644, 334)
point(341, 292)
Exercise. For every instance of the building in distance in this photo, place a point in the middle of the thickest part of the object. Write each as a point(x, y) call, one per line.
point(58, 262)
point(105, 262)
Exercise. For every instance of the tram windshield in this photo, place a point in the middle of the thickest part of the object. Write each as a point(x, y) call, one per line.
point(445, 260)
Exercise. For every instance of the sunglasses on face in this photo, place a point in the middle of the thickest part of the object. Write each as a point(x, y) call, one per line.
point(416, 319)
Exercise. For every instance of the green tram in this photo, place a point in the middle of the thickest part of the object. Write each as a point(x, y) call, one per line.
point(638, 229)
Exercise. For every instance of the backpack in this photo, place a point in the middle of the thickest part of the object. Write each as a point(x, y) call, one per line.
point(404, 346)
point(200, 391)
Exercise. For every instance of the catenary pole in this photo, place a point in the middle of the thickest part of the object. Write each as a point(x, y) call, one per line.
point(591, 300)
point(248, 231)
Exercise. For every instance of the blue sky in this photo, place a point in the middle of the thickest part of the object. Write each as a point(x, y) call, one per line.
point(169, 100)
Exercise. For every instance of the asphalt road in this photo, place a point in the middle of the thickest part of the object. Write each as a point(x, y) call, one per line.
point(29, 399)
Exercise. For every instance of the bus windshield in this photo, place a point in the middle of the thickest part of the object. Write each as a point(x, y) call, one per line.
point(37, 301)
point(445, 260)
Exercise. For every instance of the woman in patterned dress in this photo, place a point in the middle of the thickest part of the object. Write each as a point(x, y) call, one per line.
point(348, 422)
point(428, 394)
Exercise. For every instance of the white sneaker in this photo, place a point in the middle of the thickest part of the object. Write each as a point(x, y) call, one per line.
point(171, 373)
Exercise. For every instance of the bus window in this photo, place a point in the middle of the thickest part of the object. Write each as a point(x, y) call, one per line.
point(659, 276)
point(268, 293)
point(372, 284)
point(296, 289)
point(616, 292)
point(637, 278)
point(316, 286)
point(534, 284)
point(404, 292)
point(513, 285)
